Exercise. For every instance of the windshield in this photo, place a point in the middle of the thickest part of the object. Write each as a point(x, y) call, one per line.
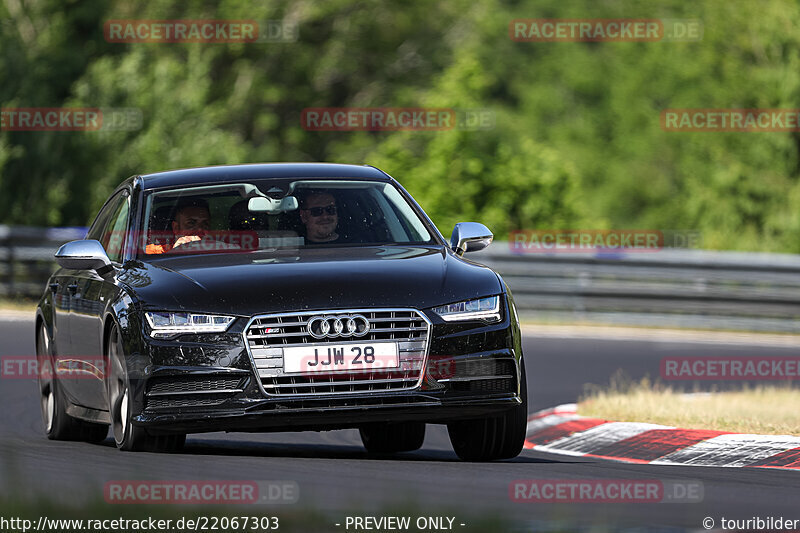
point(274, 214)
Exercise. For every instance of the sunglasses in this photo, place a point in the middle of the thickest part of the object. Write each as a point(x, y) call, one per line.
point(317, 211)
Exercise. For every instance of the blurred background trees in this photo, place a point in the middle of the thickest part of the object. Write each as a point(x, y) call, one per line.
point(577, 140)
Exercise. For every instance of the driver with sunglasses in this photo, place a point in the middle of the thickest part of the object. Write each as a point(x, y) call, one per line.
point(319, 215)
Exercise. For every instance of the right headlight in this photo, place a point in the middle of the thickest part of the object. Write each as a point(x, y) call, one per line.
point(165, 325)
point(487, 309)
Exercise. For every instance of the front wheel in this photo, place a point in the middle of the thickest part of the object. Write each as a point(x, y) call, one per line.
point(127, 436)
point(493, 438)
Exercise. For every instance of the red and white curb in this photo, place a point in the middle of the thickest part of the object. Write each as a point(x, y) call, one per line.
point(561, 430)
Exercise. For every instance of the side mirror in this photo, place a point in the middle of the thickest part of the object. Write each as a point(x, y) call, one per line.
point(83, 255)
point(470, 237)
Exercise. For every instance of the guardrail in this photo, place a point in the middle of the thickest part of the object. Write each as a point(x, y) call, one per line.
point(26, 257)
point(670, 287)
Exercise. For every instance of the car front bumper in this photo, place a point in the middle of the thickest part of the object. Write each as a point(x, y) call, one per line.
point(472, 371)
point(322, 414)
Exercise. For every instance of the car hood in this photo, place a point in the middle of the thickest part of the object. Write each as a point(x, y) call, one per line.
point(310, 279)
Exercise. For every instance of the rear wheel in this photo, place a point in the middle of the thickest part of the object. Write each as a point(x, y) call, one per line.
point(127, 436)
point(393, 437)
point(58, 425)
point(492, 438)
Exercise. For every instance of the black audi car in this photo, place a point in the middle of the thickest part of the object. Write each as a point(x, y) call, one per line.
point(278, 297)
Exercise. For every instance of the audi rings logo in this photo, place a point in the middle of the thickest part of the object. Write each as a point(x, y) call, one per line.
point(332, 326)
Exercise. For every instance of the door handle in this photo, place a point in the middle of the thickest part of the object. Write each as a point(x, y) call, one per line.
point(73, 288)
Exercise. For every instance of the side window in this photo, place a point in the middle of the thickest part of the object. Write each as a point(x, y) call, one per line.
point(100, 223)
point(114, 237)
point(110, 226)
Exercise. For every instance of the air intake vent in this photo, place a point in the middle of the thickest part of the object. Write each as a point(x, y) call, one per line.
point(169, 392)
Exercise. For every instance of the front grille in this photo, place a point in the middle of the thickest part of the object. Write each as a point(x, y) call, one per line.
point(268, 335)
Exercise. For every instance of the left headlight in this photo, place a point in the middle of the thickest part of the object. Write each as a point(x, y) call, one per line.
point(164, 325)
point(487, 309)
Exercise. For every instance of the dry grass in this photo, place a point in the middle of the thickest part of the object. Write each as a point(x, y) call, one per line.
point(771, 410)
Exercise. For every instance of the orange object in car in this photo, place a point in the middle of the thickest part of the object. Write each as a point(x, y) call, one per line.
point(157, 248)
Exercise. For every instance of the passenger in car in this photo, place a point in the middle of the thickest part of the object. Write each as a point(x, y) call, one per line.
point(191, 222)
point(318, 212)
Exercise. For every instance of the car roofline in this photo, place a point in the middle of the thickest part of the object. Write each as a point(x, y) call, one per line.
point(233, 173)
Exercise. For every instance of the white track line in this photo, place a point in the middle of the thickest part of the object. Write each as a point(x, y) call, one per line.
point(731, 450)
point(8, 315)
point(592, 439)
point(660, 335)
point(727, 450)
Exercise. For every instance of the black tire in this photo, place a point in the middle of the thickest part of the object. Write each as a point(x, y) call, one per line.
point(492, 438)
point(58, 425)
point(127, 436)
point(393, 437)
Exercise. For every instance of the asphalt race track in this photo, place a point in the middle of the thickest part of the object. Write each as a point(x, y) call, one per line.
point(336, 476)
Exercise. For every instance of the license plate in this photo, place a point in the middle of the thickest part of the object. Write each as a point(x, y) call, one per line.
point(340, 357)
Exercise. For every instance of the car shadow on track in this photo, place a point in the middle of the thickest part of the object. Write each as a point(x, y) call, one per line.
point(322, 451)
point(248, 448)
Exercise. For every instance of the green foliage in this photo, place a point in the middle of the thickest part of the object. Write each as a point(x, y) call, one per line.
point(576, 142)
